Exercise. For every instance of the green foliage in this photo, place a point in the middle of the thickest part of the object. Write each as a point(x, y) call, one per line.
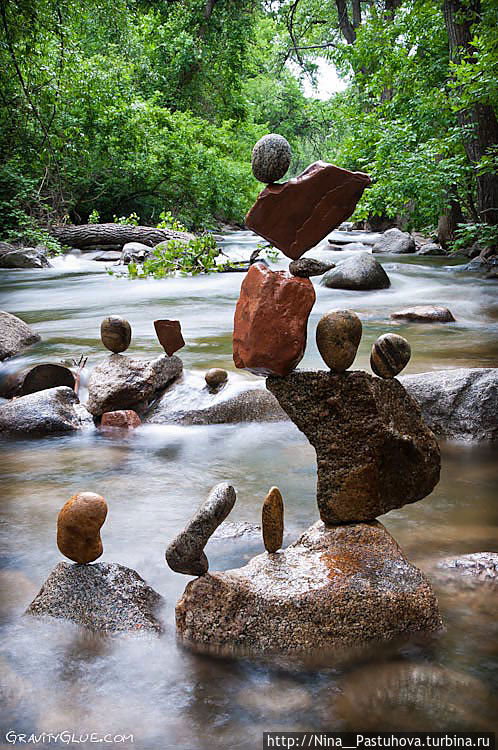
point(195, 257)
point(133, 220)
point(168, 221)
point(468, 234)
point(94, 217)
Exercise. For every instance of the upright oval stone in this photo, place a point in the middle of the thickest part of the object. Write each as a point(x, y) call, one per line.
point(271, 157)
point(115, 333)
point(390, 354)
point(78, 527)
point(271, 319)
point(338, 335)
point(272, 517)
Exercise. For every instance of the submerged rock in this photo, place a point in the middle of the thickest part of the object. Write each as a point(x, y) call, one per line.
point(335, 586)
point(105, 597)
point(120, 382)
point(374, 452)
point(295, 215)
point(185, 554)
point(425, 314)
point(271, 318)
point(395, 241)
point(468, 570)
point(15, 335)
point(460, 403)
point(360, 272)
point(78, 527)
point(45, 412)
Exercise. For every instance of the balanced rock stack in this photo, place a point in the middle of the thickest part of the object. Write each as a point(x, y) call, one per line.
point(121, 386)
point(345, 581)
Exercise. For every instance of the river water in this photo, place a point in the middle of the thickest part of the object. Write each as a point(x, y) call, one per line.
point(56, 677)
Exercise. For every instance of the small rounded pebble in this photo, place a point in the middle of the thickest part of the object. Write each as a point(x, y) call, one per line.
point(216, 376)
point(271, 157)
point(78, 527)
point(115, 333)
point(338, 335)
point(390, 354)
point(272, 517)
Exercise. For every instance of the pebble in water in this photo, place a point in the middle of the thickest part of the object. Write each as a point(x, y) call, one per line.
point(78, 527)
point(272, 517)
point(390, 354)
point(185, 554)
point(306, 267)
point(271, 158)
point(338, 335)
point(115, 333)
point(215, 377)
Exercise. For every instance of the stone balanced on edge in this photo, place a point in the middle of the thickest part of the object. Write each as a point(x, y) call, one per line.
point(345, 581)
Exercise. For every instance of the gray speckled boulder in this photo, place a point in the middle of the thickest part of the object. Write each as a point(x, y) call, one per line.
point(15, 335)
point(359, 273)
point(335, 586)
point(460, 404)
point(120, 382)
point(271, 157)
point(44, 412)
point(27, 257)
point(185, 554)
point(105, 597)
point(396, 242)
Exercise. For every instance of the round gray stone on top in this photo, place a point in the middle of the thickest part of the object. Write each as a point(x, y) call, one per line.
point(271, 157)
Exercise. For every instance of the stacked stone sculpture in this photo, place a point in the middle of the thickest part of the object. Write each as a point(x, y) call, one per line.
point(78, 527)
point(345, 581)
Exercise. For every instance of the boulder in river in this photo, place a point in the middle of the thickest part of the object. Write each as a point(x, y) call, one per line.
point(431, 248)
point(360, 272)
point(120, 382)
point(15, 335)
point(295, 215)
point(396, 242)
point(135, 252)
point(45, 412)
point(425, 314)
point(188, 403)
point(334, 587)
point(460, 403)
point(374, 452)
point(103, 597)
point(271, 318)
point(26, 257)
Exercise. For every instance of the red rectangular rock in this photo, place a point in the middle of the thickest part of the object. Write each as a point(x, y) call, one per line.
point(271, 319)
point(295, 215)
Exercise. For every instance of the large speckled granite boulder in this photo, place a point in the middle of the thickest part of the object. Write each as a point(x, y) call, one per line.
point(120, 382)
point(15, 335)
point(374, 451)
point(44, 412)
point(105, 597)
point(335, 586)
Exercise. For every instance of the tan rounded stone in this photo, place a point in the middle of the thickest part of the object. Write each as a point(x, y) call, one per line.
point(390, 354)
point(272, 517)
point(338, 335)
point(115, 333)
point(78, 527)
point(216, 376)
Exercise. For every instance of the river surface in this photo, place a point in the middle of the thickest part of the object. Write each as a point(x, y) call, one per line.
point(56, 677)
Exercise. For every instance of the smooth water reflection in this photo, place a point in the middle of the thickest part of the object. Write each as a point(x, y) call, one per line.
point(55, 677)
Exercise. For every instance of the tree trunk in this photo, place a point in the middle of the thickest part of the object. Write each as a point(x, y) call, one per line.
point(448, 223)
point(345, 24)
point(460, 16)
point(86, 235)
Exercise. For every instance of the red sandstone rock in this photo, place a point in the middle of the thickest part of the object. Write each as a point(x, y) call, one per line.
point(271, 317)
point(169, 333)
point(295, 215)
point(126, 418)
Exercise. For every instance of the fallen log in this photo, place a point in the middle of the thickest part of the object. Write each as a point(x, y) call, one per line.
point(86, 235)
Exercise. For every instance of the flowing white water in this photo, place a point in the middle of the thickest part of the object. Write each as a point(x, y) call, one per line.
point(56, 677)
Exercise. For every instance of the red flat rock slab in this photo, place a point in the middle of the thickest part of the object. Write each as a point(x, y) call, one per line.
point(125, 418)
point(169, 333)
point(295, 215)
point(271, 319)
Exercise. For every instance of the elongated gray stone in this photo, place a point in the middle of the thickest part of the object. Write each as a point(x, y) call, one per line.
point(185, 554)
